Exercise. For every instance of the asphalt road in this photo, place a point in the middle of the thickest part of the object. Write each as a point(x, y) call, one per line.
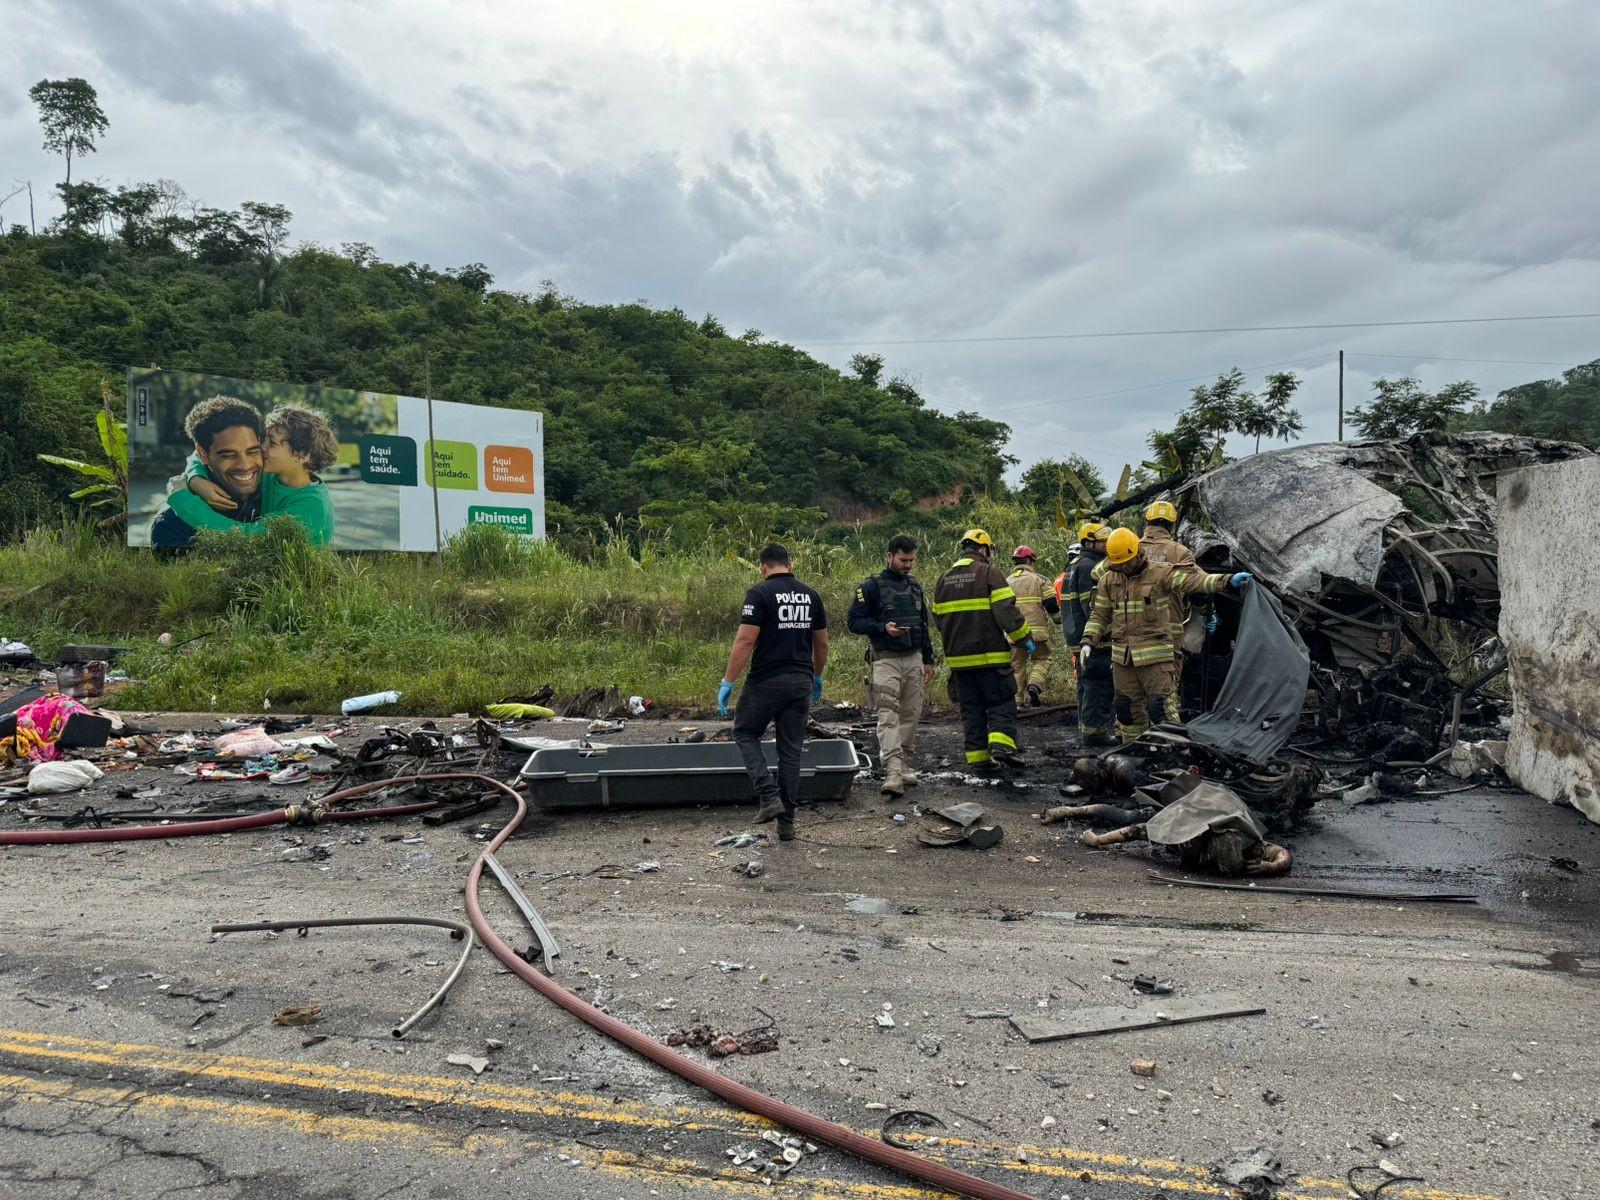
point(139, 1057)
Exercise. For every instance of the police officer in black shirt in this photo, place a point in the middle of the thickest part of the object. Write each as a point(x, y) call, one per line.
point(783, 636)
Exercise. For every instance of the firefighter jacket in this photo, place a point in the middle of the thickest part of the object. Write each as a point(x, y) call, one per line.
point(1077, 594)
point(977, 615)
point(1135, 610)
point(1034, 598)
point(1160, 546)
point(891, 596)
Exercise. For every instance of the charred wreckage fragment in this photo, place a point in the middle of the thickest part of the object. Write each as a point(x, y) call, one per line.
point(1384, 556)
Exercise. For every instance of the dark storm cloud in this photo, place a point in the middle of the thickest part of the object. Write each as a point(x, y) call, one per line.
point(919, 169)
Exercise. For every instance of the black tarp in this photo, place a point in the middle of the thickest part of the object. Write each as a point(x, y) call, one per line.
point(1259, 705)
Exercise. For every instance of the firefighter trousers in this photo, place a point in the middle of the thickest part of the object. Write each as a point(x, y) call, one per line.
point(1142, 693)
point(988, 699)
point(1030, 668)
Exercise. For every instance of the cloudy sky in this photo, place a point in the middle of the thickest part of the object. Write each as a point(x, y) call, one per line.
point(899, 176)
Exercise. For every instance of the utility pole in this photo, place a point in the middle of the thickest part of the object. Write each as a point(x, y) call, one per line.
point(1341, 395)
point(433, 462)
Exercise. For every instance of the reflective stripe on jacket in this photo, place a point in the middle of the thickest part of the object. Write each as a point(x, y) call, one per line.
point(976, 612)
point(1030, 588)
point(1161, 546)
point(1135, 610)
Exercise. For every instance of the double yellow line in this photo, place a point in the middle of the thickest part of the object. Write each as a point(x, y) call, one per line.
point(27, 1048)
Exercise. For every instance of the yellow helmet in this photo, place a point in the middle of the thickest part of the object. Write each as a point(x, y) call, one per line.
point(978, 538)
point(1161, 510)
point(1122, 546)
point(1091, 530)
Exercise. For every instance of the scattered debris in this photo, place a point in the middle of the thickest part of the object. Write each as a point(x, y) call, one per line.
point(966, 826)
point(1562, 863)
point(753, 868)
point(1087, 1021)
point(1342, 893)
point(988, 1014)
point(761, 1040)
point(739, 841)
point(478, 1065)
point(356, 704)
point(1388, 1175)
point(897, 1123)
point(298, 1014)
point(57, 778)
point(1255, 1173)
point(928, 1046)
point(1143, 1067)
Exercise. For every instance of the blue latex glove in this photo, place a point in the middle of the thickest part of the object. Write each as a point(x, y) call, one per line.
point(1028, 646)
point(723, 692)
point(1211, 623)
point(1241, 581)
point(816, 688)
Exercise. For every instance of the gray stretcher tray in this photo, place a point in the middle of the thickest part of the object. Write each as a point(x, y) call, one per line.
point(670, 775)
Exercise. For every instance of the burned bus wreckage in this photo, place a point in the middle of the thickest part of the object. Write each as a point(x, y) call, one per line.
point(1374, 649)
point(1385, 557)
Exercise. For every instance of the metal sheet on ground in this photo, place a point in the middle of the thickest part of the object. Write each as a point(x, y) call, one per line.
point(1085, 1022)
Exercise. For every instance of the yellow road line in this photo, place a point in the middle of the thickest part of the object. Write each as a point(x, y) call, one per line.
point(479, 1094)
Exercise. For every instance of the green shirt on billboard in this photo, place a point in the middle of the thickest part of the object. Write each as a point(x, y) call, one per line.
point(310, 505)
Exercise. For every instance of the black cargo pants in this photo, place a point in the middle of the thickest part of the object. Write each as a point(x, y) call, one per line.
point(784, 702)
point(988, 699)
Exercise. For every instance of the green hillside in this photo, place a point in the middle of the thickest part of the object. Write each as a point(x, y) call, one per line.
point(650, 415)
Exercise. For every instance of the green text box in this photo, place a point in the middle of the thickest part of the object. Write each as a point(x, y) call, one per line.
point(388, 460)
point(453, 465)
point(517, 520)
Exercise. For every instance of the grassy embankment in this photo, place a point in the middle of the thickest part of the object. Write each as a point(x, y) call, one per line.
point(298, 629)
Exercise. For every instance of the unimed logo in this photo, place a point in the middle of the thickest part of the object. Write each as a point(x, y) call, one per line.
point(517, 520)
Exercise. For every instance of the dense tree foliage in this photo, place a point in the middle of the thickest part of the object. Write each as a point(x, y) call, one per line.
point(1567, 408)
point(648, 414)
point(1402, 407)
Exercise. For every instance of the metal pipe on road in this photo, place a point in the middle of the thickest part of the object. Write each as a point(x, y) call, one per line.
point(458, 930)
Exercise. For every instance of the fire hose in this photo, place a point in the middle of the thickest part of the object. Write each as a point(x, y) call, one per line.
point(314, 812)
point(812, 1126)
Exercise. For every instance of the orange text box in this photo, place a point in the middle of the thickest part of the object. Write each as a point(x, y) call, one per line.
point(508, 469)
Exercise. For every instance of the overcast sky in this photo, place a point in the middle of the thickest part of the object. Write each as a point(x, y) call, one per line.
point(833, 172)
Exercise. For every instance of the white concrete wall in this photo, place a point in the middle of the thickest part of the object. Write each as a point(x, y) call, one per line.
point(1550, 621)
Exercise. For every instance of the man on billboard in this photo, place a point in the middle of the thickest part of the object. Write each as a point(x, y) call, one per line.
point(227, 439)
point(284, 475)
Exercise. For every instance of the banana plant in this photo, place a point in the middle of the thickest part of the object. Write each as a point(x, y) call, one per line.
point(109, 488)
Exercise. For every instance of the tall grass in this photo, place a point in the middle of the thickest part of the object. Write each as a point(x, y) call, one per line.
point(271, 622)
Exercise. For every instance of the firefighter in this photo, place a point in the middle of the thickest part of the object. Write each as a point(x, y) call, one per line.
point(1095, 693)
point(1160, 520)
point(1132, 606)
point(1035, 597)
point(978, 621)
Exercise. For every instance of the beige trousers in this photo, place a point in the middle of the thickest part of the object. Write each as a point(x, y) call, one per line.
point(897, 690)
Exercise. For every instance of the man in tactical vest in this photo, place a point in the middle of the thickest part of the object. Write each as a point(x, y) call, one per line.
point(891, 612)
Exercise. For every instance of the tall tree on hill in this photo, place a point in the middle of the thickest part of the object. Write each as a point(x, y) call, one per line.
point(69, 112)
point(1401, 408)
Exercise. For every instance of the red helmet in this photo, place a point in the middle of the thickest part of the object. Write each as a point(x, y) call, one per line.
point(1022, 552)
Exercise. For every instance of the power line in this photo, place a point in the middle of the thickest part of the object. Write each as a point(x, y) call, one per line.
point(1523, 362)
point(1144, 387)
point(1130, 333)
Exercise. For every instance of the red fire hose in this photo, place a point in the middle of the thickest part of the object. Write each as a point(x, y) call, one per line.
point(312, 814)
point(747, 1098)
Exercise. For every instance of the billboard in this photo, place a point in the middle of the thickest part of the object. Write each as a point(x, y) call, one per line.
point(361, 470)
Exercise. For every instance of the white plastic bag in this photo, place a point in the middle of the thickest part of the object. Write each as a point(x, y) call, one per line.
point(52, 778)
